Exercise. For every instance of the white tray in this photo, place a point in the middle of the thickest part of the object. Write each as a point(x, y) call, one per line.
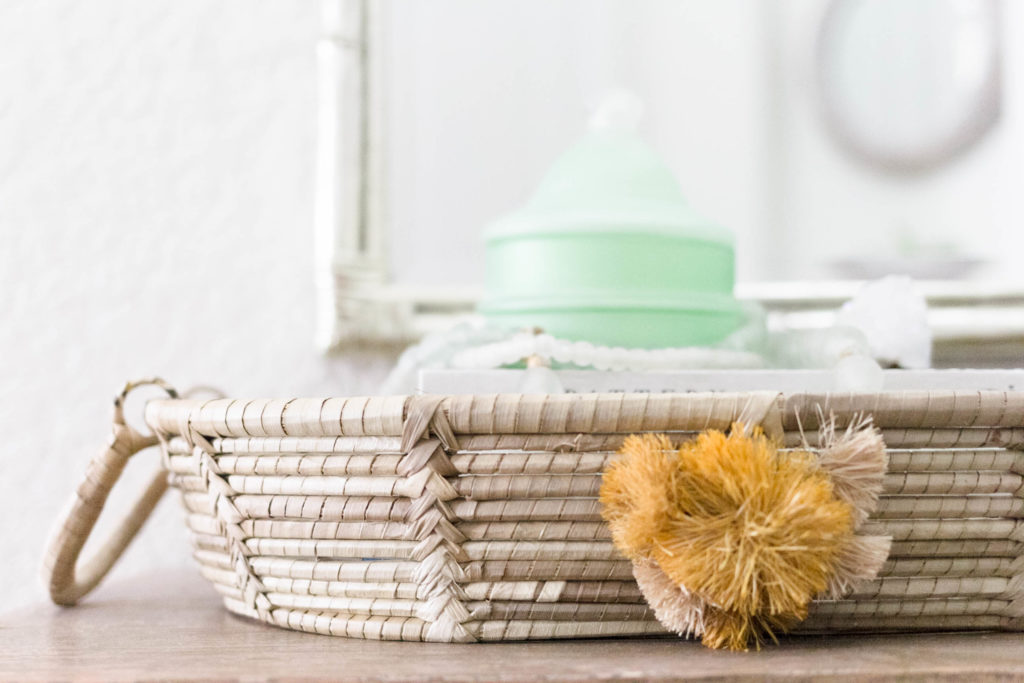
point(790, 381)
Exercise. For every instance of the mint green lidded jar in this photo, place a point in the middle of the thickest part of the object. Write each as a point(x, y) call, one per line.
point(608, 251)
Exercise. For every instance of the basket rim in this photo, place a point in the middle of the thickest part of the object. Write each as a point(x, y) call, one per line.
point(603, 413)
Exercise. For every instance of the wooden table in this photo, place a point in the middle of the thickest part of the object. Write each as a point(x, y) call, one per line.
point(171, 627)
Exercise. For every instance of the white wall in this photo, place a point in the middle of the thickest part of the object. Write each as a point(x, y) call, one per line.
point(485, 96)
point(156, 164)
point(703, 67)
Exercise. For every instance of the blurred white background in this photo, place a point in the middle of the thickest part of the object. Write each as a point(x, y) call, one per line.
point(156, 189)
point(484, 96)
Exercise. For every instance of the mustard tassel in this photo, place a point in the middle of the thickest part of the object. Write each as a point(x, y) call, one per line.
point(752, 533)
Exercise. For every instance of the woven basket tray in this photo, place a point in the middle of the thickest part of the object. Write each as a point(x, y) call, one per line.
point(475, 518)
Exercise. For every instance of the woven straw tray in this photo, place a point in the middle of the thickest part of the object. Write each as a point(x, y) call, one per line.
point(475, 518)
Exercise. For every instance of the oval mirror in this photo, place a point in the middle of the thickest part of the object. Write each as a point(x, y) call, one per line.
point(907, 85)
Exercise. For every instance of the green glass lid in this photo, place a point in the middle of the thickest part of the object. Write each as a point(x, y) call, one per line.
point(611, 180)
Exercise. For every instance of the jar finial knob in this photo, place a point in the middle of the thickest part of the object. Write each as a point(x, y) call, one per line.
point(620, 111)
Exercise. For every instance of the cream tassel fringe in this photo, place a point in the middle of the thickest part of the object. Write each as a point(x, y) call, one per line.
point(859, 560)
point(855, 461)
point(676, 608)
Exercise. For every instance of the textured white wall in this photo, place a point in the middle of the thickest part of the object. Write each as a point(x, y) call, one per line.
point(156, 164)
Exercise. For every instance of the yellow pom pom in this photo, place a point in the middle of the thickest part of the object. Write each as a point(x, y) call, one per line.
point(636, 493)
point(753, 532)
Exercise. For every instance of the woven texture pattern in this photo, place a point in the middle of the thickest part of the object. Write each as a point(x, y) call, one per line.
point(475, 518)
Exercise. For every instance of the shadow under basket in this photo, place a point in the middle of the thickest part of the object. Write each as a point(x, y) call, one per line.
point(476, 518)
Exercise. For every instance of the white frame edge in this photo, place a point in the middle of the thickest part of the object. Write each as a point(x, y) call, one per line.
point(351, 251)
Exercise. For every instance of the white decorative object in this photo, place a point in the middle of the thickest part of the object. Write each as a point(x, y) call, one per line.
point(584, 354)
point(893, 316)
point(907, 85)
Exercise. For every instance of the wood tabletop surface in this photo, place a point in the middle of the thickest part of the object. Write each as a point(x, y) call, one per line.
point(171, 627)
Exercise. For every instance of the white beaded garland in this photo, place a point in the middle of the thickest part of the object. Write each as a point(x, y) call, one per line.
point(585, 354)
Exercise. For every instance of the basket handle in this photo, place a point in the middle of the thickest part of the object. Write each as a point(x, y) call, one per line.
point(67, 582)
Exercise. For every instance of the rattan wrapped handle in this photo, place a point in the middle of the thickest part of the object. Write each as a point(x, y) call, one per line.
point(66, 580)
